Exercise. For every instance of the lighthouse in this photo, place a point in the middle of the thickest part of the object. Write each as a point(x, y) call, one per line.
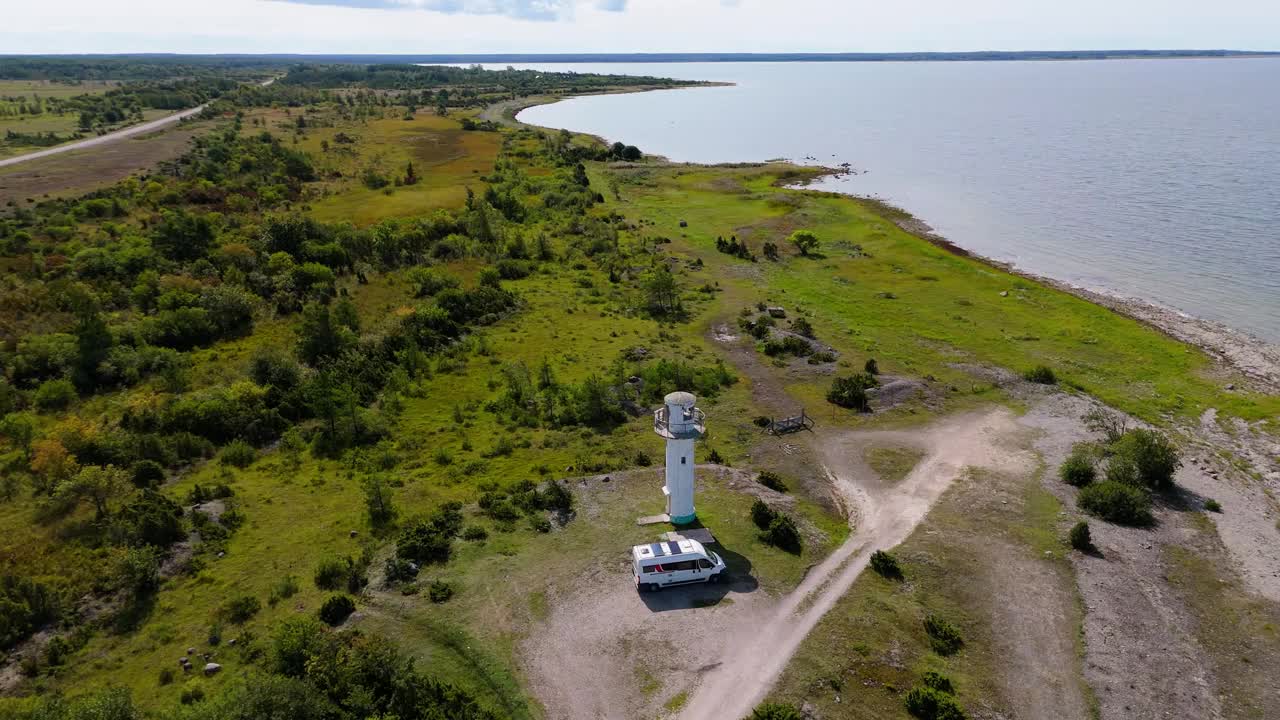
point(681, 424)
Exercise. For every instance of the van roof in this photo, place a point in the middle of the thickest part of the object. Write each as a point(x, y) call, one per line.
point(667, 549)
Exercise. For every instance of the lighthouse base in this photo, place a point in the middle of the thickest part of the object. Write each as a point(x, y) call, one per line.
point(683, 519)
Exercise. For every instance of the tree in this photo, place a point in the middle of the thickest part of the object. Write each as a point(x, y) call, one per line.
point(20, 428)
point(662, 291)
point(410, 177)
point(631, 153)
point(52, 464)
point(321, 336)
point(182, 236)
point(770, 251)
point(377, 498)
point(99, 485)
point(805, 241)
point(93, 345)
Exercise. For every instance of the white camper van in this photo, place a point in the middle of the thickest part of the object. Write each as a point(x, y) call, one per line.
point(674, 562)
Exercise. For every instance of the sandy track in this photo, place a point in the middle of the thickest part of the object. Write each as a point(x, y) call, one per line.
point(885, 517)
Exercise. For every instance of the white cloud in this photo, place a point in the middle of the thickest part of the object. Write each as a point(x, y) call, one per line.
point(519, 9)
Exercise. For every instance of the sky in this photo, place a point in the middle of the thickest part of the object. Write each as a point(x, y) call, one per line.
point(495, 26)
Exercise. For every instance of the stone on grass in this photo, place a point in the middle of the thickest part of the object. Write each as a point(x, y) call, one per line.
point(212, 668)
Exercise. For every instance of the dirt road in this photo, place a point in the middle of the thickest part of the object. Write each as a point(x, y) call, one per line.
point(885, 517)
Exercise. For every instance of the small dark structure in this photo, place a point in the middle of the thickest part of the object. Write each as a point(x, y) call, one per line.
point(786, 425)
point(777, 312)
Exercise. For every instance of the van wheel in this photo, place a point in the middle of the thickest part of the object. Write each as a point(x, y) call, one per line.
point(649, 587)
point(715, 579)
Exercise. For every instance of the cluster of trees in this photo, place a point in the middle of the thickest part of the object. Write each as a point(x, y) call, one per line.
point(541, 400)
point(1134, 464)
point(735, 248)
point(310, 673)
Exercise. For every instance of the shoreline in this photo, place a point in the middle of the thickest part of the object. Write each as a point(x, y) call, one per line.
point(1257, 359)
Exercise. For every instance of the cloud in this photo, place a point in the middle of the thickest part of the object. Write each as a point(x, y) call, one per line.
point(518, 9)
point(612, 5)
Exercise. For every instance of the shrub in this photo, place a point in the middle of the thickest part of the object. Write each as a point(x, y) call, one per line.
point(440, 591)
point(772, 480)
point(871, 368)
point(215, 633)
point(1078, 468)
point(284, 589)
point(938, 682)
point(475, 533)
point(399, 570)
point(428, 281)
point(886, 565)
point(926, 703)
point(1080, 537)
point(1041, 375)
point(1212, 505)
point(1153, 456)
point(715, 458)
point(331, 573)
point(761, 421)
point(147, 474)
point(166, 676)
point(761, 514)
point(1116, 502)
point(776, 711)
point(540, 524)
point(241, 609)
point(782, 533)
point(556, 497)
point(191, 694)
point(1123, 470)
point(944, 638)
point(336, 609)
point(430, 540)
point(851, 392)
point(55, 395)
point(239, 453)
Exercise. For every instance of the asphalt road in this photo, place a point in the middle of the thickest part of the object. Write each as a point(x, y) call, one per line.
point(120, 134)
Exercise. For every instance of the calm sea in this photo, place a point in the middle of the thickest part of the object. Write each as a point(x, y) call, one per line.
point(1154, 179)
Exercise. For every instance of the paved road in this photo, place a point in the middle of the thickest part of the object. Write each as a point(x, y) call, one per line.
point(104, 139)
point(112, 136)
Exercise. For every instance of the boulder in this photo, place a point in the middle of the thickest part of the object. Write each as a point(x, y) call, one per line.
point(183, 661)
point(212, 668)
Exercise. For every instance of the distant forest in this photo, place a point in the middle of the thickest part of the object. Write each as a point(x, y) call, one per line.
point(156, 66)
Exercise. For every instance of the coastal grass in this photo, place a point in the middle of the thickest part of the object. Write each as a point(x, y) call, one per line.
point(446, 158)
point(875, 290)
point(892, 464)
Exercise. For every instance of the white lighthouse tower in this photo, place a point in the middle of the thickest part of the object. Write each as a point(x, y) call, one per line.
point(680, 423)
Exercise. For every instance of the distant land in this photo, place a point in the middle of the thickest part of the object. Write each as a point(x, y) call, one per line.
point(489, 58)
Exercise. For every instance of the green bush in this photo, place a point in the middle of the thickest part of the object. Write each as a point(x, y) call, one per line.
point(336, 609)
point(761, 514)
point(871, 368)
point(540, 524)
point(240, 610)
point(782, 533)
point(1152, 454)
point(886, 565)
point(1123, 470)
point(475, 533)
point(772, 480)
point(926, 703)
point(851, 392)
point(556, 497)
point(239, 454)
point(776, 711)
point(944, 638)
point(1041, 375)
point(1078, 469)
point(284, 589)
point(147, 474)
point(55, 395)
point(938, 682)
point(1080, 537)
point(330, 572)
point(1116, 502)
point(191, 694)
point(1212, 505)
point(440, 591)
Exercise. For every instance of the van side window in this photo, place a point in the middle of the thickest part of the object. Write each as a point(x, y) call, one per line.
point(685, 565)
point(705, 564)
point(651, 568)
